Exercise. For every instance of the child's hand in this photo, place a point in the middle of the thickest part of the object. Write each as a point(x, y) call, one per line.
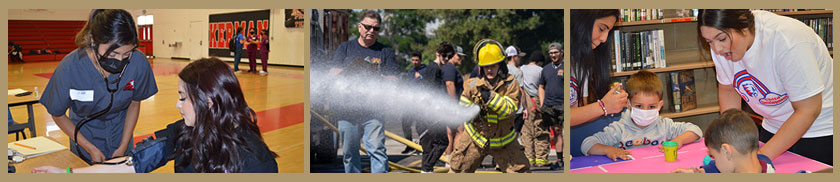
point(687, 170)
point(615, 153)
point(662, 148)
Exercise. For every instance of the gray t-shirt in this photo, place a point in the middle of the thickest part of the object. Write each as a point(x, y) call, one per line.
point(517, 75)
point(531, 79)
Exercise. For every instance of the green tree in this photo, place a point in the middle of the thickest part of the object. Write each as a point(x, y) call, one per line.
point(528, 29)
point(405, 30)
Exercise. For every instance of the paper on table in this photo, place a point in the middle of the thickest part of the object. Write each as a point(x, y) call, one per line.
point(16, 91)
point(42, 146)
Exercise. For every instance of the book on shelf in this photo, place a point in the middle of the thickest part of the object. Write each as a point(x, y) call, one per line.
point(675, 91)
point(631, 15)
point(688, 94)
point(638, 50)
point(823, 27)
point(788, 10)
point(687, 12)
point(683, 91)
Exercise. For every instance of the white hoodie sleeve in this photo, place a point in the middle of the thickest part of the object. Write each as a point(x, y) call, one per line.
point(610, 136)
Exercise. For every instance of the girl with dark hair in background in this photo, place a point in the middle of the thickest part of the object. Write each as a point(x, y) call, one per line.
point(218, 132)
point(782, 69)
point(105, 61)
point(590, 59)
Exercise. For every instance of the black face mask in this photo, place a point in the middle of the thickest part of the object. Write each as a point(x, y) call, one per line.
point(112, 65)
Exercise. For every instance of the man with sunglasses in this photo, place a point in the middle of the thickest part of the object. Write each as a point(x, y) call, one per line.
point(355, 126)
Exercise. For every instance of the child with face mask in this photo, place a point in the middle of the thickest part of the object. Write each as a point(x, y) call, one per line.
point(640, 125)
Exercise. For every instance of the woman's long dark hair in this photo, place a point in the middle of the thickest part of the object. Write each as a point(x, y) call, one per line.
point(108, 26)
point(723, 20)
point(212, 144)
point(589, 64)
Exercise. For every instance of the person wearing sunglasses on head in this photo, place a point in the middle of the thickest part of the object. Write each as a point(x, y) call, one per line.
point(102, 83)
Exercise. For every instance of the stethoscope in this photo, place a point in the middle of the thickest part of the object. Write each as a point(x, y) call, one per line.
point(89, 118)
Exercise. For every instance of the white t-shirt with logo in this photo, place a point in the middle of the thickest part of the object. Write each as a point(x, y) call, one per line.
point(787, 62)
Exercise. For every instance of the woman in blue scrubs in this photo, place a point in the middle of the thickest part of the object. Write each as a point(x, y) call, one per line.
point(103, 81)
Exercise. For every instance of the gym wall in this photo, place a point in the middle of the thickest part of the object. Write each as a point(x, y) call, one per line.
point(184, 33)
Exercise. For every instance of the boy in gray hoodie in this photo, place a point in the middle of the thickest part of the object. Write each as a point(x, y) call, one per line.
point(640, 125)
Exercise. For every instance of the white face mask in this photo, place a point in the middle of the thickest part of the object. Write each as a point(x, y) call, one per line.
point(643, 117)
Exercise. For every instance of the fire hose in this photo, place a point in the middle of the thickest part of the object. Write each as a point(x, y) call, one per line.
point(395, 137)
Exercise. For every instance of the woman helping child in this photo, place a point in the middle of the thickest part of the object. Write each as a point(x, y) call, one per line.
point(782, 69)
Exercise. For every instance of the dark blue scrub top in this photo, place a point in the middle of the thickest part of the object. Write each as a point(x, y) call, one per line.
point(76, 76)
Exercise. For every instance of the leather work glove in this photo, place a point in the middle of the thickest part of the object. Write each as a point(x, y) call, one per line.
point(485, 94)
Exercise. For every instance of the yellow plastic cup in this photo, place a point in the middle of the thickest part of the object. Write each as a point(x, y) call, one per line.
point(670, 150)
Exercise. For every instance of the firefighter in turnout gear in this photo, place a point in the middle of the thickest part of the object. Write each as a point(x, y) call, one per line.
point(491, 132)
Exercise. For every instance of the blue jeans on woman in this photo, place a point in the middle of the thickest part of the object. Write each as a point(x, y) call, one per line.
point(236, 57)
point(374, 141)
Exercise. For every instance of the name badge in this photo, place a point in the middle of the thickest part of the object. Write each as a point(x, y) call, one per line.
point(81, 95)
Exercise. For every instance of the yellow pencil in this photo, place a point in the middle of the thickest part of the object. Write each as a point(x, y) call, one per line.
point(26, 146)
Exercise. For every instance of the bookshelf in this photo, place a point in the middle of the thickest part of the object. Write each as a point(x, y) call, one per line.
point(678, 67)
point(700, 110)
point(682, 53)
point(818, 20)
point(808, 12)
point(653, 22)
point(694, 19)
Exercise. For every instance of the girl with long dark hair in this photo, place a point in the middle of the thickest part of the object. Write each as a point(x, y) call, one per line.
point(218, 132)
point(590, 59)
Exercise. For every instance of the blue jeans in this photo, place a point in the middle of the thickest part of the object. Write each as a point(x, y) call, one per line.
point(236, 57)
point(374, 140)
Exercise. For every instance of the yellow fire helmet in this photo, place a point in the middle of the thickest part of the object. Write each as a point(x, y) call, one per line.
point(488, 52)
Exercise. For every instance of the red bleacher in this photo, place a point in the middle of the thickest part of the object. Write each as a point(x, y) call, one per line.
point(44, 34)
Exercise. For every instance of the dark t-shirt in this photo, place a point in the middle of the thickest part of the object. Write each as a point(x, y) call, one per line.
point(257, 160)
point(450, 73)
point(367, 62)
point(553, 83)
point(474, 72)
point(763, 160)
point(421, 70)
point(433, 77)
point(377, 53)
